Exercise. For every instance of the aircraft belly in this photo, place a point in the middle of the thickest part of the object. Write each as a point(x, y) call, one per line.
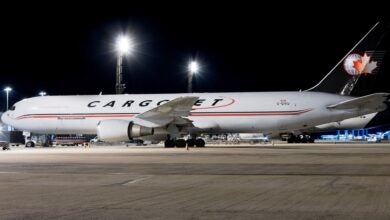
point(58, 126)
point(246, 124)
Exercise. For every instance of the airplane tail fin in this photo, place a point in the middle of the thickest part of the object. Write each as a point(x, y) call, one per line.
point(363, 60)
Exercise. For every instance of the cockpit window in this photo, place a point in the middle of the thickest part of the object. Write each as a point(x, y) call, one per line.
point(12, 108)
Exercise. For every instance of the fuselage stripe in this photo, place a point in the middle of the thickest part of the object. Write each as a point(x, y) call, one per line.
point(194, 114)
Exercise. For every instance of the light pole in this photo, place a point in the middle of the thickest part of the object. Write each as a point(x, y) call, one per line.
point(124, 45)
point(193, 68)
point(42, 93)
point(7, 90)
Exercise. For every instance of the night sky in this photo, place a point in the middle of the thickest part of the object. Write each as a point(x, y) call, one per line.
point(68, 49)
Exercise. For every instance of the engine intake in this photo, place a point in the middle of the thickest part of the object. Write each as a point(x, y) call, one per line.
point(121, 130)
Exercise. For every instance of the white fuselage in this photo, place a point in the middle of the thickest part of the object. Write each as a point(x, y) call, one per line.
point(248, 112)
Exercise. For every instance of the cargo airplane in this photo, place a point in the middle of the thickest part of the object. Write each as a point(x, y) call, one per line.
point(116, 118)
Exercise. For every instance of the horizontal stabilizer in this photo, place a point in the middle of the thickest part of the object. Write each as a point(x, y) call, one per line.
point(371, 103)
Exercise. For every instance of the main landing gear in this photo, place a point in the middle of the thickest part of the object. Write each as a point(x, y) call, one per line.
point(302, 138)
point(179, 143)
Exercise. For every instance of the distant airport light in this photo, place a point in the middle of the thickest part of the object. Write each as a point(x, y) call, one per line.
point(193, 67)
point(42, 93)
point(7, 90)
point(124, 45)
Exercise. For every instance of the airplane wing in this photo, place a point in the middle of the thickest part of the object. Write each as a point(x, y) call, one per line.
point(171, 112)
point(370, 103)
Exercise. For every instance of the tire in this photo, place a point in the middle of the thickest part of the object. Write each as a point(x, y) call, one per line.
point(30, 144)
point(191, 142)
point(309, 139)
point(291, 140)
point(298, 139)
point(180, 143)
point(200, 143)
point(169, 143)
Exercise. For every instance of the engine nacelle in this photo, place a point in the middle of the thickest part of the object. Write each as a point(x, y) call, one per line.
point(121, 130)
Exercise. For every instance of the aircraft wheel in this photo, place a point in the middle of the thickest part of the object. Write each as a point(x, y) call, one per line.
point(30, 144)
point(309, 139)
point(180, 143)
point(169, 143)
point(298, 139)
point(291, 139)
point(200, 143)
point(303, 139)
point(191, 142)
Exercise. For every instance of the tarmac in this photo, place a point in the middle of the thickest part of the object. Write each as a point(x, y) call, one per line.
point(282, 181)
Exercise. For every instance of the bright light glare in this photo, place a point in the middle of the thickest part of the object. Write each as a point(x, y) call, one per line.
point(124, 45)
point(42, 93)
point(8, 89)
point(193, 67)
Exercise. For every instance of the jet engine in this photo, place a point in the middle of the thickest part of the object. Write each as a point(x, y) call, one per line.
point(121, 130)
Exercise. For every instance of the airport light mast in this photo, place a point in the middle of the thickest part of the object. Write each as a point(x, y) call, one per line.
point(7, 90)
point(193, 68)
point(124, 45)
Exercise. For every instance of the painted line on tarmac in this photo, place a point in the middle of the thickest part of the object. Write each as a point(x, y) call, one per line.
point(135, 181)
